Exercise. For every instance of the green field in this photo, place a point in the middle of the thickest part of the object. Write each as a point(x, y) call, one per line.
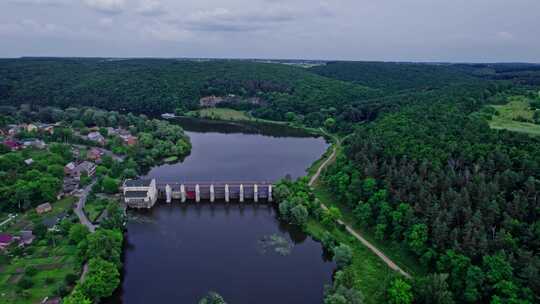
point(52, 260)
point(510, 114)
point(53, 263)
point(221, 114)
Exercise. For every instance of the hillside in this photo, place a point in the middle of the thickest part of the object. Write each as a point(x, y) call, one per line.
point(154, 86)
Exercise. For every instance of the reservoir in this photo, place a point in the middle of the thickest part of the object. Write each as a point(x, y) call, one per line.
point(178, 253)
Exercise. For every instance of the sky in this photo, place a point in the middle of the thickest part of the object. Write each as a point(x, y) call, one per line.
point(380, 30)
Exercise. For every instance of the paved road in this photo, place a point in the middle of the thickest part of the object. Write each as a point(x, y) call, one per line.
point(351, 230)
point(79, 208)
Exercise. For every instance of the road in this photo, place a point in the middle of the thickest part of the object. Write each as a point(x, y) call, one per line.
point(79, 208)
point(349, 228)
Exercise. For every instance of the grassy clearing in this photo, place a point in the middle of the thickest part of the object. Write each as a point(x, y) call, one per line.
point(52, 264)
point(52, 261)
point(369, 270)
point(221, 114)
point(94, 208)
point(516, 116)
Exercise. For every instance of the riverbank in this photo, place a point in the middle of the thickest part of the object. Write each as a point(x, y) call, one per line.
point(236, 116)
point(373, 264)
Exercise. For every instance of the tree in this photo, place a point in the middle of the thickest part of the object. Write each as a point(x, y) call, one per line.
point(104, 244)
point(102, 279)
point(400, 292)
point(433, 289)
point(110, 185)
point(77, 297)
point(78, 233)
point(330, 123)
point(299, 215)
point(330, 217)
point(212, 298)
point(342, 255)
point(39, 230)
point(417, 238)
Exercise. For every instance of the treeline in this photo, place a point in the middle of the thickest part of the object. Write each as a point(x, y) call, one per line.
point(462, 197)
point(157, 86)
point(102, 250)
point(392, 77)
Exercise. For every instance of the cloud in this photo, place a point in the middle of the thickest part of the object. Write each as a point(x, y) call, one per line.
point(165, 32)
point(504, 35)
point(222, 19)
point(33, 27)
point(106, 22)
point(150, 8)
point(107, 6)
point(39, 2)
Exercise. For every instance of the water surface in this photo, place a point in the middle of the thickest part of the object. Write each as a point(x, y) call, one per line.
point(177, 253)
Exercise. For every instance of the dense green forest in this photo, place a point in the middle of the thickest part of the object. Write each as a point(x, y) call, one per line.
point(159, 85)
point(462, 197)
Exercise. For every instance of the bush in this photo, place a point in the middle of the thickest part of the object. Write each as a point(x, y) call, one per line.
point(30, 271)
point(70, 278)
point(25, 283)
point(342, 255)
point(49, 280)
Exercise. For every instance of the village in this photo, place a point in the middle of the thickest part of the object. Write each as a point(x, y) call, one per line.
point(79, 199)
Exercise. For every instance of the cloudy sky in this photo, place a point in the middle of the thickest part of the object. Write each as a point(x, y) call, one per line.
point(391, 30)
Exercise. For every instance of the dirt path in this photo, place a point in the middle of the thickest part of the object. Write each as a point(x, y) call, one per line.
point(351, 230)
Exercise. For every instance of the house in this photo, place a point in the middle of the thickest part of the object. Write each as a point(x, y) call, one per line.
point(129, 140)
point(5, 240)
point(69, 169)
point(44, 208)
point(46, 128)
point(13, 130)
point(36, 143)
point(94, 154)
point(12, 145)
point(29, 161)
point(26, 238)
point(85, 167)
point(96, 137)
point(31, 128)
point(140, 193)
point(70, 184)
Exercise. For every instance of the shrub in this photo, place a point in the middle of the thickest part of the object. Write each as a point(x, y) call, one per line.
point(342, 255)
point(70, 278)
point(25, 283)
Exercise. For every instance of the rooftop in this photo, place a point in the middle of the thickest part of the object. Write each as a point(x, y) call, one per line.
point(138, 183)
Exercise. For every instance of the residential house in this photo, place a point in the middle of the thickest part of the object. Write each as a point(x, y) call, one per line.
point(71, 184)
point(36, 143)
point(26, 238)
point(94, 154)
point(96, 137)
point(31, 128)
point(12, 145)
point(69, 169)
point(46, 128)
point(44, 208)
point(86, 167)
point(13, 130)
point(129, 140)
point(5, 240)
point(29, 161)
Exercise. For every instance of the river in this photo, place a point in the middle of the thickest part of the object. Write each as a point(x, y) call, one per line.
point(177, 253)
